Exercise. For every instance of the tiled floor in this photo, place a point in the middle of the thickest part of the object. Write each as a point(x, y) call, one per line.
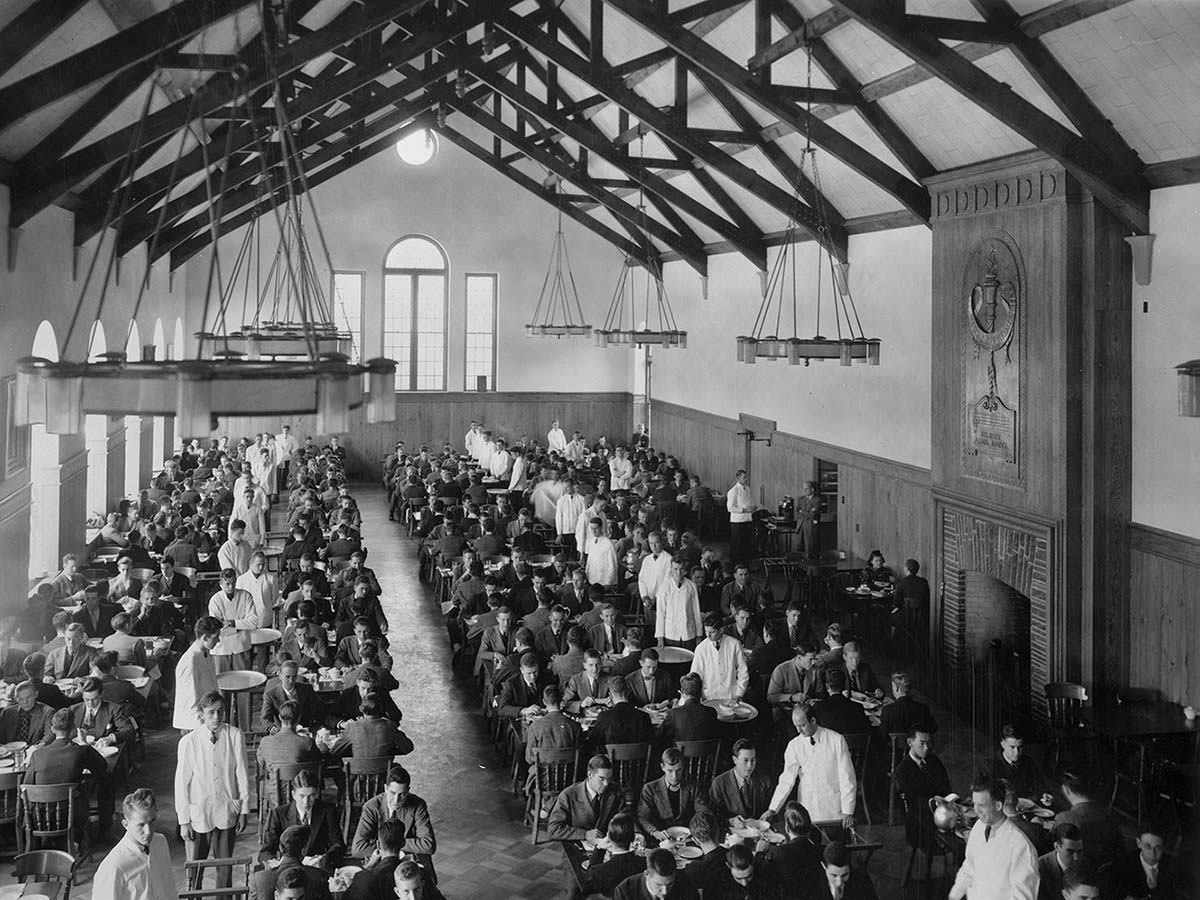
point(484, 852)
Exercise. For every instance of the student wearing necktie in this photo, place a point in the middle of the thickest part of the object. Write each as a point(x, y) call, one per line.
point(307, 810)
point(649, 686)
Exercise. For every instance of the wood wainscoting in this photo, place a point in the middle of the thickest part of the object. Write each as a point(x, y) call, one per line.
point(882, 504)
point(1164, 613)
point(435, 418)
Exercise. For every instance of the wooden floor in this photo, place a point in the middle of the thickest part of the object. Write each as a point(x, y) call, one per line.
point(483, 850)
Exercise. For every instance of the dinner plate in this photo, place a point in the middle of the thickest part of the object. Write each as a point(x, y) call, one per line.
point(7, 763)
point(16, 745)
point(688, 852)
point(5, 753)
point(774, 837)
point(878, 595)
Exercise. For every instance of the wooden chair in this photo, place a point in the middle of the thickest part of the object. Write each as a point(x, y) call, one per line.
point(860, 746)
point(128, 673)
point(554, 770)
point(9, 802)
point(860, 849)
point(46, 812)
point(366, 777)
point(47, 865)
point(1066, 702)
point(282, 794)
point(630, 764)
point(238, 890)
point(699, 760)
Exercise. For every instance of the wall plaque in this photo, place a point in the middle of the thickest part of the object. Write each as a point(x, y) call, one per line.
point(992, 347)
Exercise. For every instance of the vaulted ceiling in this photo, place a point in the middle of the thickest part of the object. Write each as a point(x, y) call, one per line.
point(164, 117)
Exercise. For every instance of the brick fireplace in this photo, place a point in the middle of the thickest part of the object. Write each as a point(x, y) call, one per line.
point(1016, 554)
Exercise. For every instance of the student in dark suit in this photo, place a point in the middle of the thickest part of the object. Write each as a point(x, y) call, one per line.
point(621, 723)
point(285, 747)
point(630, 659)
point(554, 730)
point(838, 712)
point(96, 615)
point(920, 776)
point(607, 868)
point(838, 880)
point(797, 858)
point(904, 712)
point(552, 640)
point(742, 628)
point(397, 803)
point(1014, 766)
point(708, 831)
point(289, 689)
point(27, 720)
point(741, 791)
point(669, 801)
point(49, 694)
point(375, 881)
point(690, 720)
point(1102, 840)
point(117, 690)
point(518, 695)
point(564, 665)
point(62, 761)
point(660, 880)
point(320, 820)
point(372, 735)
point(107, 723)
point(348, 705)
point(583, 811)
point(769, 654)
point(859, 677)
point(11, 669)
point(291, 871)
point(743, 879)
point(608, 636)
point(1067, 850)
point(1147, 871)
point(649, 686)
point(74, 658)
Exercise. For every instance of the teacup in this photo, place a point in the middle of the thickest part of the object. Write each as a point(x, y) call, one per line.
point(1189, 713)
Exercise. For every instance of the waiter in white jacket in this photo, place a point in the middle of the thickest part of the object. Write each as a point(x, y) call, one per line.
point(556, 439)
point(820, 761)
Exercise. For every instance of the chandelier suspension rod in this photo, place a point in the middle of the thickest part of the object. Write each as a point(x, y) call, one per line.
point(215, 207)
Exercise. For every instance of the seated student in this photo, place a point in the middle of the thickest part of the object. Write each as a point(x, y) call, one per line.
point(798, 857)
point(650, 686)
point(593, 616)
point(740, 626)
point(587, 688)
point(156, 617)
point(376, 881)
point(630, 659)
point(1067, 850)
point(374, 658)
point(609, 866)
point(284, 747)
point(573, 594)
point(669, 801)
point(540, 617)
point(297, 632)
point(552, 641)
point(521, 695)
point(62, 761)
point(606, 638)
point(901, 715)
point(348, 705)
point(49, 694)
point(307, 571)
point(1102, 839)
point(622, 722)
point(129, 650)
point(570, 663)
point(742, 790)
point(307, 810)
point(97, 614)
point(838, 880)
point(307, 593)
point(583, 811)
point(1015, 767)
point(859, 677)
point(744, 877)
point(26, 720)
point(117, 690)
point(362, 602)
point(920, 776)
point(554, 730)
point(510, 666)
point(372, 735)
point(288, 688)
point(396, 804)
point(1147, 871)
point(691, 720)
point(290, 877)
point(838, 712)
point(497, 640)
point(708, 831)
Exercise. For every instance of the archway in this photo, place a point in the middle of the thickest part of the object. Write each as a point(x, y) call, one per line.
point(96, 437)
point(133, 424)
point(44, 477)
point(177, 350)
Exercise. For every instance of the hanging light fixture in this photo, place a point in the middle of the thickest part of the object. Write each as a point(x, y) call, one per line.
point(649, 285)
point(558, 313)
point(278, 374)
point(781, 286)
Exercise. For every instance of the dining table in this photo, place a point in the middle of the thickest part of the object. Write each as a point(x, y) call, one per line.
point(805, 571)
point(1145, 729)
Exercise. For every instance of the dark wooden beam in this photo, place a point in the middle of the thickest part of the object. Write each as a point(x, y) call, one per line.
point(626, 246)
point(142, 41)
point(829, 96)
point(1124, 192)
point(812, 29)
point(589, 137)
point(76, 126)
point(31, 26)
point(956, 29)
point(1078, 107)
point(199, 61)
point(664, 125)
point(704, 56)
point(726, 136)
point(691, 251)
point(654, 58)
point(1064, 13)
point(876, 117)
point(1174, 172)
point(704, 8)
point(38, 189)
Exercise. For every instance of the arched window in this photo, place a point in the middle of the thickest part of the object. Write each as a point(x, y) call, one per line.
point(43, 477)
point(133, 424)
point(415, 298)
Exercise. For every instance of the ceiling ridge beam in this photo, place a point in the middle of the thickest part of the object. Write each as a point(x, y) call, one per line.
point(704, 56)
point(144, 40)
point(664, 125)
point(1125, 193)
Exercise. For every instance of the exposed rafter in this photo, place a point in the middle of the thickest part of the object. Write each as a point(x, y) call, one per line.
point(1122, 190)
point(702, 55)
point(32, 26)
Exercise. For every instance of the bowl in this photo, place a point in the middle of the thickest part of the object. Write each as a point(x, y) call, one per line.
point(678, 833)
point(758, 826)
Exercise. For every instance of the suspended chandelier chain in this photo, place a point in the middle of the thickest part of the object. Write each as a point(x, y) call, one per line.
point(215, 208)
point(117, 197)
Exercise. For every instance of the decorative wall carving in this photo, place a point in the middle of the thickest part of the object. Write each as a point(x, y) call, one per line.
point(992, 348)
